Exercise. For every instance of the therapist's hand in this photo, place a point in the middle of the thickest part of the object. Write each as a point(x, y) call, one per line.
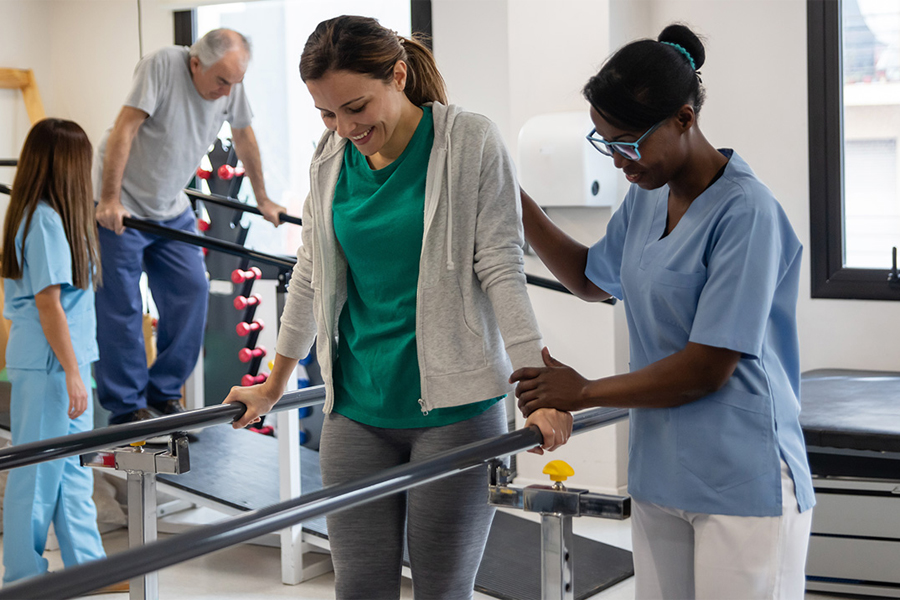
point(556, 386)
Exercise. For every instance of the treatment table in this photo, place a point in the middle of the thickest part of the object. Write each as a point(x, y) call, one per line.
point(851, 422)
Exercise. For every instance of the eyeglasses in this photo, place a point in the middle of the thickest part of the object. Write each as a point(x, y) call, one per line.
point(627, 149)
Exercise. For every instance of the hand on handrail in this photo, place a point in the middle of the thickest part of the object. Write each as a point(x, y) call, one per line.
point(109, 214)
point(555, 426)
point(257, 400)
point(271, 211)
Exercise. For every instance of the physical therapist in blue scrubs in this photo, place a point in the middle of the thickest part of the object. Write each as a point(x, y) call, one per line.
point(707, 265)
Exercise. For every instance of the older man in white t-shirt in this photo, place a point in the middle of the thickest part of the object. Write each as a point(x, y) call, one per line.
point(179, 99)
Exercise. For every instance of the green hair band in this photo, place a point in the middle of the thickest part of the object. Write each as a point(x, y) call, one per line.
point(684, 51)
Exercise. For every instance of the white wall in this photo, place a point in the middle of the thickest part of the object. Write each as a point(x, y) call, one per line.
point(757, 94)
point(83, 53)
point(21, 48)
point(511, 60)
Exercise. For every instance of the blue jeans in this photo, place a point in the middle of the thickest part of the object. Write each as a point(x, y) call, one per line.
point(58, 490)
point(177, 276)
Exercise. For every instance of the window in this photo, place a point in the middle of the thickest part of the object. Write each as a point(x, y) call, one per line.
point(854, 126)
point(285, 121)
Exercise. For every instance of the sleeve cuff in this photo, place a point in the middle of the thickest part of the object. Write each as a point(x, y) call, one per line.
point(526, 354)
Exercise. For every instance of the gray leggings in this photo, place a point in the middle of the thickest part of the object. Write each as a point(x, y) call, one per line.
point(446, 522)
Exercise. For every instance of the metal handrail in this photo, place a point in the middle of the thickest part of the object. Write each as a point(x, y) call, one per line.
point(76, 581)
point(284, 263)
point(552, 284)
point(211, 198)
point(22, 455)
point(238, 250)
point(231, 203)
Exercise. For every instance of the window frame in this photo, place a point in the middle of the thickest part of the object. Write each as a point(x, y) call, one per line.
point(830, 278)
point(420, 18)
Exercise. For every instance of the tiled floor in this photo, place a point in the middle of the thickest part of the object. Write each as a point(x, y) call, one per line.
point(252, 572)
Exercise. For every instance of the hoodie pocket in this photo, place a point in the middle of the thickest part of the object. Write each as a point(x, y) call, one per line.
point(449, 344)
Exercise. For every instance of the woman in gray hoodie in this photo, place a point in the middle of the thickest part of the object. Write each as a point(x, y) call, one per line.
point(411, 276)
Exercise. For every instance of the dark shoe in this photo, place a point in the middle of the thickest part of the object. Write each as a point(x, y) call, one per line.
point(173, 407)
point(113, 588)
point(144, 414)
point(169, 407)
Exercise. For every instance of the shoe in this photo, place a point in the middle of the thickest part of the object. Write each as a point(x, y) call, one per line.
point(172, 407)
point(169, 407)
point(143, 414)
point(113, 588)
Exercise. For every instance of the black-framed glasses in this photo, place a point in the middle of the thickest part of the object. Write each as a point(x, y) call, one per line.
point(627, 149)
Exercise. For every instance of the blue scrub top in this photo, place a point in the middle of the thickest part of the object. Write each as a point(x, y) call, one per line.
point(47, 261)
point(726, 276)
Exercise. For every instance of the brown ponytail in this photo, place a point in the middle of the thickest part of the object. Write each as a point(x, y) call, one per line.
point(363, 45)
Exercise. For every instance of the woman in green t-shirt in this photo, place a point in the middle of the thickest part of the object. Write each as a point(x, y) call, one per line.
point(411, 275)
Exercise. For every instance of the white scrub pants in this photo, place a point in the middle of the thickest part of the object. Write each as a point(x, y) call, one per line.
point(681, 555)
point(59, 490)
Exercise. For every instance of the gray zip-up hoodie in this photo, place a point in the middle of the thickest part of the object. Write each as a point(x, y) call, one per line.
point(471, 286)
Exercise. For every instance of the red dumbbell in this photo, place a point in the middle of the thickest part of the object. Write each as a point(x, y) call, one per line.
point(246, 328)
point(238, 276)
point(248, 354)
point(249, 379)
point(242, 302)
point(203, 225)
point(203, 173)
point(225, 172)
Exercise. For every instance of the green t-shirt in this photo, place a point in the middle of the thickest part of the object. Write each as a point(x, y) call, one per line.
point(379, 221)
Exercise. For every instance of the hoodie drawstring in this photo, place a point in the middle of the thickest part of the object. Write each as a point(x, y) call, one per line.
point(450, 265)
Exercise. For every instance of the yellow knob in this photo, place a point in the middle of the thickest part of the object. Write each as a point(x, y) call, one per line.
point(138, 444)
point(558, 470)
point(271, 365)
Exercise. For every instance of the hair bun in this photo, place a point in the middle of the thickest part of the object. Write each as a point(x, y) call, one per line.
point(687, 39)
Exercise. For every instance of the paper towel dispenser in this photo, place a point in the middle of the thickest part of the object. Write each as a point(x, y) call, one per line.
point(557, 166)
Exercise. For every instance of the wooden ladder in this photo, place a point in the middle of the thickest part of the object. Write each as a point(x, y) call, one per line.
point(23, 79)
point(19, 79)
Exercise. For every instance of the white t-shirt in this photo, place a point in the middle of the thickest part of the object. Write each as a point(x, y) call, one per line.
point(171, 142)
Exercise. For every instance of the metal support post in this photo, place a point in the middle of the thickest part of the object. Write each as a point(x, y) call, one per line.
point(194, 391)
point(142, 529)
point(289, 487)
point(557, 576)
point(557, 505)
point(141, 467)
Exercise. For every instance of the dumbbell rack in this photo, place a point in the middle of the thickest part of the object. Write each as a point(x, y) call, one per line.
point(249, 327)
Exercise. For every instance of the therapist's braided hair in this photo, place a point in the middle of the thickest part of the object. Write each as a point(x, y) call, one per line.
point(647, 81)
point(363, 45)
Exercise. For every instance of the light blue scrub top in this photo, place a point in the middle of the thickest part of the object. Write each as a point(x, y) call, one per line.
point(726, 276)
point(47, 261)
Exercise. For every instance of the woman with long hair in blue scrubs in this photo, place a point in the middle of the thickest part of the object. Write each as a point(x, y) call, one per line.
point(708, 267)
point(51, 264)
